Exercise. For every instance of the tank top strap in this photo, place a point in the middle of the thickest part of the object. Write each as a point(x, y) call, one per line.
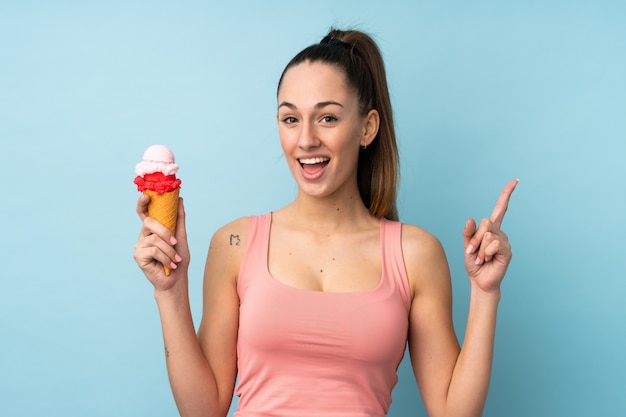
point(394, 268)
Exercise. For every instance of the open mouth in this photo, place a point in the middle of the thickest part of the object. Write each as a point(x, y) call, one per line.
point(313, 165)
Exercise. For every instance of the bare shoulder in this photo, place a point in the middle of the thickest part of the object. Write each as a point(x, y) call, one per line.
point(233, 234)
point(420, 244)
point(227, 248)
point(424, 257)
point(220, 277)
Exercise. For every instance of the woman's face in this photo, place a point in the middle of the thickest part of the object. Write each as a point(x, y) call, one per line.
point(322, 129)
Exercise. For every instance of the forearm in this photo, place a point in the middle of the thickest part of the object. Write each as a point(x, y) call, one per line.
point(193, 384)
point(472, 372)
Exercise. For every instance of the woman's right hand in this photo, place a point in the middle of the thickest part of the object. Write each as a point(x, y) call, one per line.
point(157, 246)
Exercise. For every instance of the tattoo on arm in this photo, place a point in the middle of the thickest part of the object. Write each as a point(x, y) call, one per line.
point(234, 240)
point(167, 353)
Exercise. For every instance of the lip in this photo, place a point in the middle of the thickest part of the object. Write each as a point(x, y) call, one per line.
point(312, 175)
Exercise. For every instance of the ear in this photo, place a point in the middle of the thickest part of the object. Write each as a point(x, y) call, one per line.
point(370, 127)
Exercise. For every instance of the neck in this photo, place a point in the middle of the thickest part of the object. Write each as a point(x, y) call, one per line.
point(327, 214)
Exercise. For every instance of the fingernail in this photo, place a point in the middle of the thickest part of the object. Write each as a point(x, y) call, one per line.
point(173, 265)
point(469, 249)
point(173, 240)
point(177, 258)
point(478, 261)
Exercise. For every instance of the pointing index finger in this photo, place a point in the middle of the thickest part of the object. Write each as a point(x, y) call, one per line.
point(503, 203)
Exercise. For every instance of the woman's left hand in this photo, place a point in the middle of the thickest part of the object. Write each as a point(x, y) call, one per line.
point(487, 249)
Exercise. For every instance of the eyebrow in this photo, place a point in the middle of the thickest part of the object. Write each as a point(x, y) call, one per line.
point(319, 105)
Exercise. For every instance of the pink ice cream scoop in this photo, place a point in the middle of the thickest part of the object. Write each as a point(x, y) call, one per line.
point(157, 170)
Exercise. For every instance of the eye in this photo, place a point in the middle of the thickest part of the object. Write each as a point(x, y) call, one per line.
point(289, 120)
point(329, 119)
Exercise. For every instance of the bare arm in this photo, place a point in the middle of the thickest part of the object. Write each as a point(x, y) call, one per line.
point(201, 368)
point(220, 317)
point(433, 345)
point(454, 381)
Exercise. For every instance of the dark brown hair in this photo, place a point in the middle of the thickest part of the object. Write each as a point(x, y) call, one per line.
point(357, 55)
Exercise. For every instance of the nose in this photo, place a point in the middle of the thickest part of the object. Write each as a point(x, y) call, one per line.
point(308, 136)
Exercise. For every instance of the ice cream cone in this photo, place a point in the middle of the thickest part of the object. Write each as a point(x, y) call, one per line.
point(156, 176)
point(164, 209)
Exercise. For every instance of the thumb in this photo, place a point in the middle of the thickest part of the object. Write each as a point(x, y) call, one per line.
point(468, 232)
point(470, 251)
point(181, 231)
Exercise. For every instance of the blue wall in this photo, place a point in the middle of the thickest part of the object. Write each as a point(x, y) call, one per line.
point(483, 92)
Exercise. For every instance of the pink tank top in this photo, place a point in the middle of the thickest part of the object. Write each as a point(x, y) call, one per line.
point(305, 353)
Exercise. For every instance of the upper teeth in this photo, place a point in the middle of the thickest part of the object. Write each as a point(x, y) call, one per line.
point(317, 160)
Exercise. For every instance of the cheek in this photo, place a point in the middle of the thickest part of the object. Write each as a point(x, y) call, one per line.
point(289, 144)
point(352, 143)
point(285, 138)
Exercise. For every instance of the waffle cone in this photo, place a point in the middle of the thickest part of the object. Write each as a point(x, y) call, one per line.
point(164, 209)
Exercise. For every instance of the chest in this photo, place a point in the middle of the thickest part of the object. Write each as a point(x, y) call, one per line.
point(310, 326)
point(325, 262)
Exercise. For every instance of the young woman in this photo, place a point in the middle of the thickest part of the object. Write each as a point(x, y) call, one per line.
point(311, 306)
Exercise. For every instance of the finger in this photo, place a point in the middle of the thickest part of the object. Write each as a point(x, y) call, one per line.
point(475, 240)
point(142, 206)
point(503, 203)
point(152, 226)
point(494, 245)
point(182, 249)
point(181, 231)
point(152, 248)
point(480, 239)
point(468, 232)
point(498, 249)
point(153, 240)
point(483, 235)
point(153, 262)
point(489, 246)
